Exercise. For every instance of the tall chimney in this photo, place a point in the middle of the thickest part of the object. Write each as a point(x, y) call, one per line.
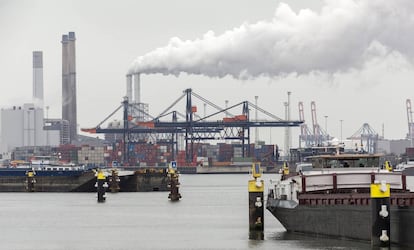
point(129, 87)
point(65, 78)
point(69, 84)
point(137, 89)
point(38, 77)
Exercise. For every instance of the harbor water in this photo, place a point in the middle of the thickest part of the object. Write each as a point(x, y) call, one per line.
point(213, 214)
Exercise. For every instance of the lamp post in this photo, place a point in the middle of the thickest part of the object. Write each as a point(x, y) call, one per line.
point(47, 119)
point(256, 132)
point(341, 129)
point(326, 127)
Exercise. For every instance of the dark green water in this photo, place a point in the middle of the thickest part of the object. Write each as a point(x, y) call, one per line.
point(213, 214)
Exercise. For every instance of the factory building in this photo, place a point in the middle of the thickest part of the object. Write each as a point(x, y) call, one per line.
point(25, 126)
point(56, 132)
point(69, 84)
point(396, 147)
point(22, 126)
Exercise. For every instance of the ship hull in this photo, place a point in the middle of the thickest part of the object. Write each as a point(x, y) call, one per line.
point(49, 182)
point(145, 180)
point(343, 221)
point(142, 180)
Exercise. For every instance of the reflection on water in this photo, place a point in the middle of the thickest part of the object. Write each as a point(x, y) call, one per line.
point(256, 235)
point(318, 242)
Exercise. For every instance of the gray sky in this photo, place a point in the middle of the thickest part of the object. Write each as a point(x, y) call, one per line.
point(360, 72)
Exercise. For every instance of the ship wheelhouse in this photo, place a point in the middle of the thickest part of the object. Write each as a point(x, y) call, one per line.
point(346, 161)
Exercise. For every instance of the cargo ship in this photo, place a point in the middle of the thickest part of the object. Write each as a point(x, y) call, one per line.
point(333, 198)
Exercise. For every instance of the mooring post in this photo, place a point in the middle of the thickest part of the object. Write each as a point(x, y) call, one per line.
point(380, 215)
point(256, 203)
point(174, 183)
point(114, 181)
point(101, 185)
point(30, 181)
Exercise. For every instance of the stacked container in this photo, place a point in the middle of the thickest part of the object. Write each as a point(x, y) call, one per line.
point(91, 156)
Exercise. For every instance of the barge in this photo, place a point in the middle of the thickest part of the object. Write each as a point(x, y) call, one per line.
point(47, 181)
point(333, 199)
point(48, 175)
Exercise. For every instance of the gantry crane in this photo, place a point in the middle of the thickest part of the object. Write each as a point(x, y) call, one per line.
point(368, 138)
point(194, 128)
point(319, 135)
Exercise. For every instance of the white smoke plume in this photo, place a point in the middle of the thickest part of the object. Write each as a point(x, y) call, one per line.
point(344, 35)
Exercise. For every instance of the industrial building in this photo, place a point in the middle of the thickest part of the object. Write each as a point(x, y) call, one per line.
point(25, 125)
point(22, 126)
point(56, 131)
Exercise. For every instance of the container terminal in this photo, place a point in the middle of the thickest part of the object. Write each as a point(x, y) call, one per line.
point(222, 141)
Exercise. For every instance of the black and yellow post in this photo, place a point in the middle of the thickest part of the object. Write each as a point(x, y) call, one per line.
point(380, 215)
point(256, 203)
point(174, 183)
point(114, 181)
point(30, 181)
point(101, 185)
point(388, 166)
point(285, 170)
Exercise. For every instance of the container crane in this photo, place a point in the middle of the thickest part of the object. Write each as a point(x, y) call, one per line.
point(368, 137)
point(320, 136)
point(193, 128)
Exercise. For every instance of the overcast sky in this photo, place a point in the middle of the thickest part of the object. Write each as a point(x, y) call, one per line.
point(353, 58)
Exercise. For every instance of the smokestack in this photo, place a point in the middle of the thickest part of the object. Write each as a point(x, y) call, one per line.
point(137, 88)
point(129, 87)
point(65, 78)
point(69, 83)
point(38, 77)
